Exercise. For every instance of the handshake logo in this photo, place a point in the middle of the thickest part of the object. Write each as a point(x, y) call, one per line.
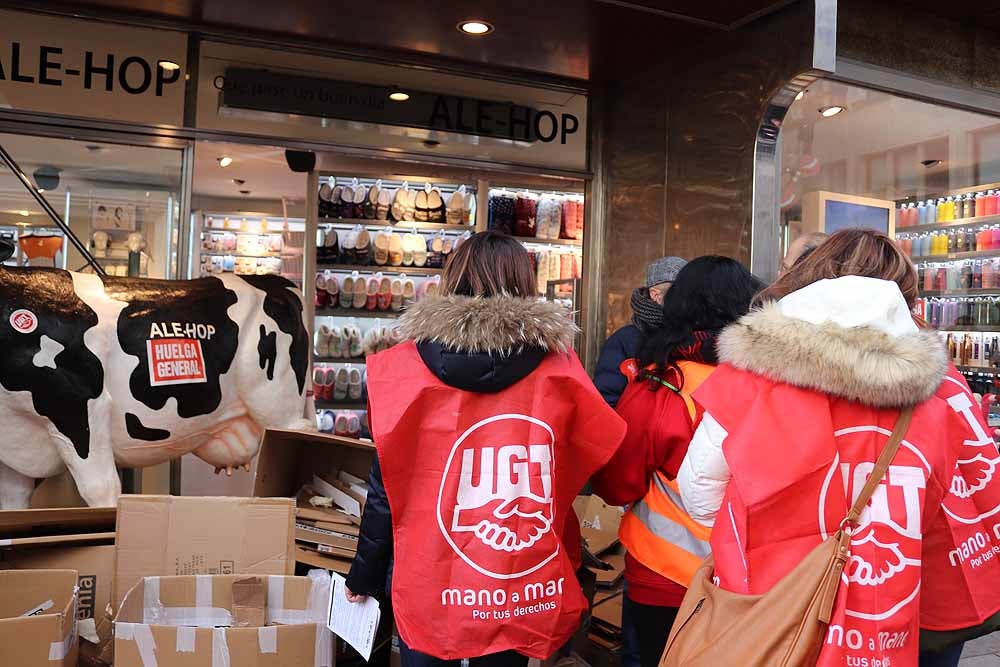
point(495, 505)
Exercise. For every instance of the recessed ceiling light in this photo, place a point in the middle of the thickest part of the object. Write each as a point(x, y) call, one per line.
point(225, 161)
point(399, 96)
point(829, 112)
point(94, 148)
point(41, 189)
point(23, 214)
point(800, 95)
point(239, 181)
point(244, 192)
point(930, 163)
point(168, 65)
point(475, 27)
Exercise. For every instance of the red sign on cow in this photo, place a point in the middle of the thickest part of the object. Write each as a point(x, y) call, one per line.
point(175, 361)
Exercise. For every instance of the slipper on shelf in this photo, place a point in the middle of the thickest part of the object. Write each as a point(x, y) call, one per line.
point(384, 293)
point(340, 385)
point(409, 292)
point(336, 201)
point(396, 250)
point(383, 203)
point(408, 250)
point(370, 204)
point(321, 341)
point(362, 247)
point(354, 385)
point(411, 206)
point(419, 250)
point(347, 292)
point(332, 291)
point(455, 210)
point(421, 206)
point(360, 295)
point(397, 295)
point(382, 248)
point(397, 211)
point(334, 348)
point(325, 421)
point(349, 250)
point(340, 425)
point(357, 346)
point(435, 206)
point(372, 293)
point(321, 295)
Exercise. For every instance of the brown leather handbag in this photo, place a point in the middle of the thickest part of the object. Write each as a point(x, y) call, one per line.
point(784, 627)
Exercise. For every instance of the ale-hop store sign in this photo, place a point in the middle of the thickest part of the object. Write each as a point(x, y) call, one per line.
point(98, 70)
point(262, 90)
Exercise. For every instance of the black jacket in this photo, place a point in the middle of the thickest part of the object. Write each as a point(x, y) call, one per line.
point(514, 338)
point(623, 344)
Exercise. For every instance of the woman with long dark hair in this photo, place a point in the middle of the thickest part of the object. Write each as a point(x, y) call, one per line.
point(486, 427)
point(663, 545)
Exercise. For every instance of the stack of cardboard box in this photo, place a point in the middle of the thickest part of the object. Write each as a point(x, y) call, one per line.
point(326, 475)
point(605, 557)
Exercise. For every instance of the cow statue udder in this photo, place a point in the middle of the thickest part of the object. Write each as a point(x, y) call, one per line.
point(97, 371)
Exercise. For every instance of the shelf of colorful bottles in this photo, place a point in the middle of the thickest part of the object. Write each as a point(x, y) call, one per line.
point(395, 270)
point(356, 312)
point(338, 360)
point(980, 328)
point(977, 221)
point(244, 256)
point(375, 224)
point(955, 256)
point(985, 370)
point(972, 291)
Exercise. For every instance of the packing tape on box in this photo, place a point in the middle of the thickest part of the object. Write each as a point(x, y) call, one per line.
point(315, 612)
point(143, 638)
point(267, 639)
point(220, 648)
point(202, 615)
point(186, 639)
point(59, 650)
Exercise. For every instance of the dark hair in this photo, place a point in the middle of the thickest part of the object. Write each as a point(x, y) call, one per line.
point(490, 264)
point(850, 252)
point(708, 294)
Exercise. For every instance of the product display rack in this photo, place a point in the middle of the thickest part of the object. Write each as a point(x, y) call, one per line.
point(561, 283)
point(954, 239)
point(249, 244)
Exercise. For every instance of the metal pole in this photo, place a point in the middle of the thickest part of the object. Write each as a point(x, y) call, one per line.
point(51, 212)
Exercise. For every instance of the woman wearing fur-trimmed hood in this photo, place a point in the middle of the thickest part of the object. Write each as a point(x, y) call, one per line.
point(810, 387)
point(486, 427)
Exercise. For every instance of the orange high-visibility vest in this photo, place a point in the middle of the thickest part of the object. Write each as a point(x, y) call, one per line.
point(656, 530)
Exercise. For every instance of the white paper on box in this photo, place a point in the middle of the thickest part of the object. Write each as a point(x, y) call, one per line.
point(354, 622)
point(342, 500)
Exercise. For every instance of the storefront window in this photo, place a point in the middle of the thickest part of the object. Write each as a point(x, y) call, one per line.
point(121, 201)
point(927, 175)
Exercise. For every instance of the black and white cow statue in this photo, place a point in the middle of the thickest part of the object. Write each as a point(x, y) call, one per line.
point(98, 371)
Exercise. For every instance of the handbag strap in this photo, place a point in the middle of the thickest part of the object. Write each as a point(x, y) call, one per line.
point(881, 466)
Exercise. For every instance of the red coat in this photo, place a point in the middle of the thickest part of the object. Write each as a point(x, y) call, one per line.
point(926, 553)
point(480, 487)
point(659, 430)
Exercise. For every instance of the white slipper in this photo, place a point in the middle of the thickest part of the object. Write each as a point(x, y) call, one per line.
point(354, 385)
point(356, 348)
point(321, 344)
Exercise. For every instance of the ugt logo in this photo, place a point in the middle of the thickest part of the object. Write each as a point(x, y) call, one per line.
point(495, 503)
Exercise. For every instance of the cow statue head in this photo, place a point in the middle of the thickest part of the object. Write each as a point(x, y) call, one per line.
point(98, 371)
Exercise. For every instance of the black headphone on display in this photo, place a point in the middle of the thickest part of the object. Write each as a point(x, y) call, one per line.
point(6, 249)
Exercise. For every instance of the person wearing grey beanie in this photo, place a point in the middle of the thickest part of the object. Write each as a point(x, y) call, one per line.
point(647, 314)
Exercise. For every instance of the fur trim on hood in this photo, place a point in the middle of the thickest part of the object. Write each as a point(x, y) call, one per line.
point(860, 363)
point(501, 324)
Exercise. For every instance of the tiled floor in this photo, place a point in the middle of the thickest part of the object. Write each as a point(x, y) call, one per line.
point(984, 652)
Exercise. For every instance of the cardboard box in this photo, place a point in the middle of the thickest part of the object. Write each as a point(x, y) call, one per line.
point(37, 620)
point(283, 622)
point(174, 535)
point(289, 464)
point(82, 525)
point(599, 523)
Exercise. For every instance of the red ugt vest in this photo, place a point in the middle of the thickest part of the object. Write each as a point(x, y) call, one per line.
point(926, 551)
point(480, 487)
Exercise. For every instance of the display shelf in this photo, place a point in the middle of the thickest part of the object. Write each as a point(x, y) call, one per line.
point(982, 291)
point(978, 369)
point(404, 224)
point(977, 221)
point(983, 328)
point(532, 240)
point(375, 268)
point(956, 256)
point(356, 312)
point(348, 404)
point(338, 360)
point(214, 253)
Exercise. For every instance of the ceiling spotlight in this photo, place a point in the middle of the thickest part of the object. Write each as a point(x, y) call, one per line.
point(168, 65)
point(41, 189)
point(239, 181)
point(475, 27)
point(244, 192)
point(399, 96)
point(800, 95)
point(930, 163)
point(225, 161)
point(23, 214)
point(831, 111)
